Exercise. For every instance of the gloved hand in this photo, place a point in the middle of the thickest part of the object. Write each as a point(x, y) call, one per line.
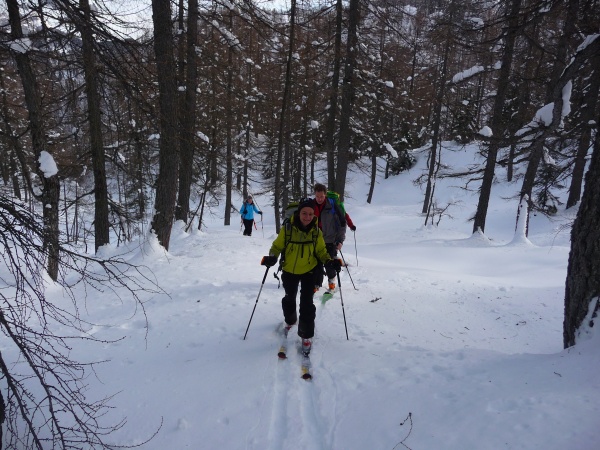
point(260, 212)
point(353, 227)
point(268, 261)
point(334, 264)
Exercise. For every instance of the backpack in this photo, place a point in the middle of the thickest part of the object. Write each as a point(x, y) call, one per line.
point(338, 206)
point(332, 196)
point(289, 211)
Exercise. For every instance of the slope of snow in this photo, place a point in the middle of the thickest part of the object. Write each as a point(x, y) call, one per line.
point(455, 340)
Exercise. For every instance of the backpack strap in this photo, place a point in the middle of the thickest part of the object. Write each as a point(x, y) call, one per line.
point(338, 212)
point(288, 238)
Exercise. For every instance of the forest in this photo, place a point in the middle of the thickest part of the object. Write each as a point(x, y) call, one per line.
point(120, 118)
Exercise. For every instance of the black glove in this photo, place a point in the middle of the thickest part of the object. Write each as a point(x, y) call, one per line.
point(260, 212)
point(268, 261)
point(353, 227)
point(334, 264)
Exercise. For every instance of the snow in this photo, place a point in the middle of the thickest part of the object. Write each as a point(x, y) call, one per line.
point(202, 136)
point(543, 116)
point(467, 74)
point(22, 45)
point(486, 131)
point(393, 153)
point(588, 41)
point(455, 340)
point(47, 164)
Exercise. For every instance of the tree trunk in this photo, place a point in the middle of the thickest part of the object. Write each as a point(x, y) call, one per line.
point(50, 184)
point(437, 115)
point(333, 98)
point(583, 56)
point(166, 184)
point(587, 119)
point(498, 127)
point(348, 89)
point(282, 120)
point(187, 118)
point(229, 129)
point(13, 149)
point(101, 222)
point(583, 271)
point(537, 148)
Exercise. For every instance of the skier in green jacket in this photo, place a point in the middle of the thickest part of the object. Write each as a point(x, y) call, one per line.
point(302, 246)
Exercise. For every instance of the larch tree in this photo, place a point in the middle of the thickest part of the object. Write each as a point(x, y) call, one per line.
point(497, 123)
point(347, 101)
point(50, 194)
point(188, 112)
point(166, 183)
point(583, 272)
point(281, 192)
point(101, 222)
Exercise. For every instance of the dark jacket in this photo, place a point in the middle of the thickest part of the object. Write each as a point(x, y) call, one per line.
point(333, 227)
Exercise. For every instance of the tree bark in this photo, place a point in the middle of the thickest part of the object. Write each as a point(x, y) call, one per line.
point(166, 184)
point(229, 130)
point(537, 149)
point(101, 222)
point(188, 116)
point(581, 57)
point(50, 184)
point(498, 127)
point(587, 119)
point(583, 271)
point(437, 115)
point(348, 90)
point(278, 203)
point(333, 98)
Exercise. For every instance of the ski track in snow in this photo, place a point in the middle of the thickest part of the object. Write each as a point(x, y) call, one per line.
point(278, 425)
point(295, 421)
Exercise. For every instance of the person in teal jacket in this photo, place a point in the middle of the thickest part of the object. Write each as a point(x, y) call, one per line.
point(247, 211)
point(302, 246)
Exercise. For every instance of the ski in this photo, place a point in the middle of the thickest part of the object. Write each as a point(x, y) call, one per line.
point(282, 354)
point(306, 368)
point(327, 295)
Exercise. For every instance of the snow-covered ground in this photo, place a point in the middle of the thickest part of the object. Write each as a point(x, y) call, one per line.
point(455, 341)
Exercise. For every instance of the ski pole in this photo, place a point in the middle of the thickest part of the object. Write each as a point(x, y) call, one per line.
point(342, 300)
point(256, 303)
point(355, 249)
point(344, 259)
point(262, 226)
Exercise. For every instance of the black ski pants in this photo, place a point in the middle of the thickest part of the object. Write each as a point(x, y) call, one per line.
point(306, 322)
point(248, 227)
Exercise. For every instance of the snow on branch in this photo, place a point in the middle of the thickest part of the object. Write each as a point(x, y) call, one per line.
point(550, 116)
point(227, 36)
point(466, 74)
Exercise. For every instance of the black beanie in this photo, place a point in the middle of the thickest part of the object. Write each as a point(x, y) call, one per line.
point(306, 203)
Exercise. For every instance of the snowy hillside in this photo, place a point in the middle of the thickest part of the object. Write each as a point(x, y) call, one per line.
point(455, 342)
